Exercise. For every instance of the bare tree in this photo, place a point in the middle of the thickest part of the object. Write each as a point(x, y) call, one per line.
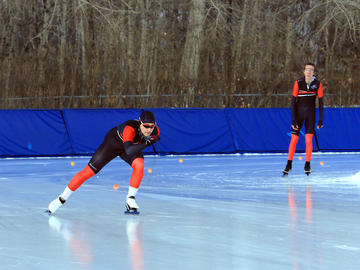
point(11, 46)
point(63, 15)
point(191, 56)
point(203, 53)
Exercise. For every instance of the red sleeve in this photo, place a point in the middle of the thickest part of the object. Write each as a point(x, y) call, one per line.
point(320, 91)
point(128, 134)
point(295, 89)
point(158, 130)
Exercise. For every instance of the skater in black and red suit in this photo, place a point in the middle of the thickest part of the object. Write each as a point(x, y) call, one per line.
point(126, 141)
point(305, 91)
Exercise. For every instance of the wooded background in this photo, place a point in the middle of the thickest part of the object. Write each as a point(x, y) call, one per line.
point(175, 53)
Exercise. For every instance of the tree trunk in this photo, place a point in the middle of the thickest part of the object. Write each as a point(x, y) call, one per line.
point(14, 11)
point(43, 51)
point(253, 41)
point(81, 28)
point(131, 50)
point(288, 41)
point(62, 49)
point(155, 51)
point(239, 41)
point(143, 58)
point(191, 57)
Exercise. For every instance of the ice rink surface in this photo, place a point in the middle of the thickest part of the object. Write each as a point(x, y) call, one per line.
point(208, 212)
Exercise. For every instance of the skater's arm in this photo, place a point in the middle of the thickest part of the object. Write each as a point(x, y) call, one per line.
point(293, 105)
point(321, 107)
point(128, 139)
point(293, 110)
point(131, 148)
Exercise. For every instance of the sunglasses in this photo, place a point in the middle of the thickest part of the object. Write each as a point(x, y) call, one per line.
point(147, 126)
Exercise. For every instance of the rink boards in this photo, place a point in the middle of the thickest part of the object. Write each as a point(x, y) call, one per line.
point(183, 131)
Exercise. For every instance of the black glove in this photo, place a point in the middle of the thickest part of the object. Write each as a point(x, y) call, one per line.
point(294, 125)
point(320, 124)
point(149, 140)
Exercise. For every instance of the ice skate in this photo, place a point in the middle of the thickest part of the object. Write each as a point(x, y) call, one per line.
point(287, 168)
point(307, 168)
point(131, 206)
point(54, 205)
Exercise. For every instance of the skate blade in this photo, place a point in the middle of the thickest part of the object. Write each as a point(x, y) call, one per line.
point(48, 212)
point(131, 212)
point(307, 173)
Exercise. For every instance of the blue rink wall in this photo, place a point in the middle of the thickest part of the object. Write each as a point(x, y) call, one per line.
point(182, 131)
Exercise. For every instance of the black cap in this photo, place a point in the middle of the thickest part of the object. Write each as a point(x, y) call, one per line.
point(147, 117)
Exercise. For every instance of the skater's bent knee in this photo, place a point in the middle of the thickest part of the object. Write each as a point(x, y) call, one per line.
point(138, 164)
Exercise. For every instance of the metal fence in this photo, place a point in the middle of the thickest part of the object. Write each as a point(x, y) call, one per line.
point(243, 100)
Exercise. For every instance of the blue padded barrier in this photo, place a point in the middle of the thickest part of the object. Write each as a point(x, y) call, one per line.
point(88, 127)
point(193, 131)
point(181, 130)
point(33, 133)
point(341, 131)
point(190, 131)
point(263, 130)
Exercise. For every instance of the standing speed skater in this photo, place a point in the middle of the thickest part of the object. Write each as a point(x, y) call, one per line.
point(303, 109)
point(127, 141)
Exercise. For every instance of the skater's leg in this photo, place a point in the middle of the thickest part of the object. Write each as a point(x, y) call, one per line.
point(309, 148)
point(135, 180)
point(74, 184)
point(292, 149)
point(292, 146)
point(138, 172)
point(80, 178)
point(107, 151)
point(309, 133)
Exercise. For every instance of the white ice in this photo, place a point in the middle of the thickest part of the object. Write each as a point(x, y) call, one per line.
point(209, 212)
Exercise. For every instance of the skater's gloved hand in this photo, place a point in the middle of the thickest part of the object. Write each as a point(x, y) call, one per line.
point(320, 124)
point(294, 125)
point(149, 140)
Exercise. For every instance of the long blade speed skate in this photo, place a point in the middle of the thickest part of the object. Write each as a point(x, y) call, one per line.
point(131, 206)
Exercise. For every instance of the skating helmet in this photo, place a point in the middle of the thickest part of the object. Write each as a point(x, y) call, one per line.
point(147, 117)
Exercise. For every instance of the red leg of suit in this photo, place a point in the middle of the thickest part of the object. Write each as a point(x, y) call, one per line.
point(80, 178)
point(309, 146)
point(292, 146)
point(138, 172)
